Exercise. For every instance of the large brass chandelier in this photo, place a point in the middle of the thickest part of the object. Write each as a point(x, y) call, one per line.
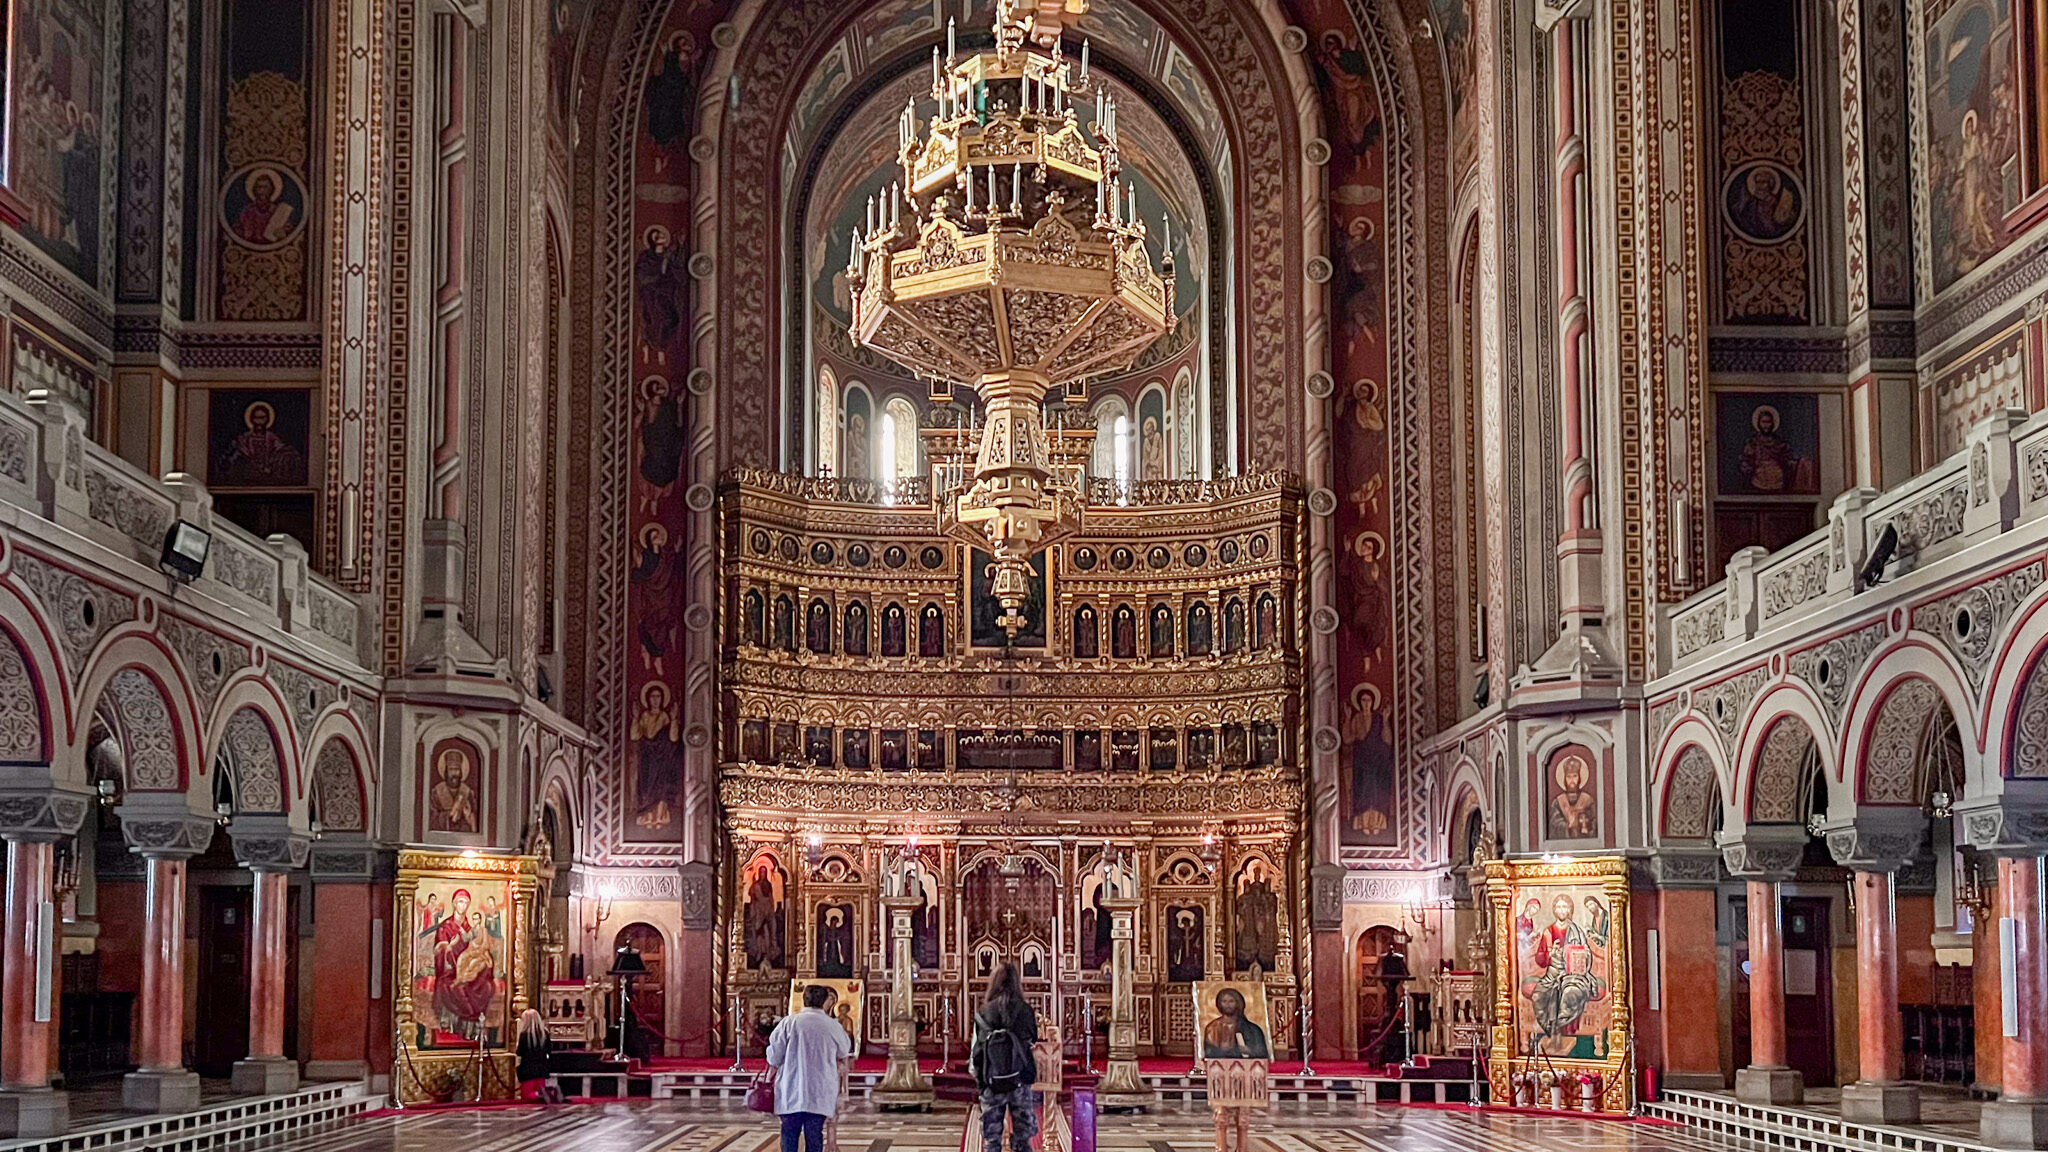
point(1009, 258)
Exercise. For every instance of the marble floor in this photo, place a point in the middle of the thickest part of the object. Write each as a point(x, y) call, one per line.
point(678, 1126)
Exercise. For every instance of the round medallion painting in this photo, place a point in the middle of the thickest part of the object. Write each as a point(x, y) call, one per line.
point(263, 207)
point(1763, 202)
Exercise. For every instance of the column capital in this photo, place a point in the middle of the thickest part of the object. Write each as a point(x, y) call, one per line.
point(269, 843)
point(33, 806)
point(1766, 852)
point(1876, 839)
point(1674, 867)
point(161, 825)
point(2012, 824)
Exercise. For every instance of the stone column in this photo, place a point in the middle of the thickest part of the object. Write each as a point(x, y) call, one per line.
point(1875, 847)
point(903, 1085)
point(2013, 827)
point(32, 820)
point(1764, 857)
point(1121, 1086)
point(269, 848)
point(1686, 884)
point(165, 833)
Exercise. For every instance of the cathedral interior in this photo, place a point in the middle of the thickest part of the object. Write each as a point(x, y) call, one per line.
point(1511, 536)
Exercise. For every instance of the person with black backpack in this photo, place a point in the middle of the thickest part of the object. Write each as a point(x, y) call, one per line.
point(1005, 1028)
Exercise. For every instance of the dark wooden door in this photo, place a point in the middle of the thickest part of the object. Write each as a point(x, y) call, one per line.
point(221, 1029)
point(1809, 1006)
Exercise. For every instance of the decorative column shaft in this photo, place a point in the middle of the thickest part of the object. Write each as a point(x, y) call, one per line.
point(1766, 856)
point(27, 1105)
point(163, 1083)
point(1878, 843)
point(270, 848)
point(1121, 1086)
point(903, 1085)
point(2013, 828)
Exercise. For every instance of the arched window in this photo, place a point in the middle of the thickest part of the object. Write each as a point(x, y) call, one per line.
point(757, 618)
point(828, 421)
point(931, 632)
point(818, 629)
point(1123, 633)
point(899, 453)
point(893, 631)
point(1087, 633)
point(856, 641)
point(885, 448)
point(1121, 446)
point(1107, 411)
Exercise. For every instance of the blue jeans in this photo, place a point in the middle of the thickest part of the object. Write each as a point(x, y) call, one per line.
point(810, 1125)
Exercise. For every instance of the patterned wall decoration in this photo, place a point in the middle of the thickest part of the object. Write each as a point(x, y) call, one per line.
point(249, 749)
point(1692, 797)
point(1763, 187)
point(1785, 766)
point(1987, 378)
point(1891, 764)
point(2028, 756)
point(337, 789)
point(148, 741)
point(1361, 456)
point(1972, 125)
point(263, 200)
point(60, 143)
point(21, 718)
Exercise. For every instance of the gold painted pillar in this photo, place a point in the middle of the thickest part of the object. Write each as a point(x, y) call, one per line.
point(1121, 1086)
point(902, 1086)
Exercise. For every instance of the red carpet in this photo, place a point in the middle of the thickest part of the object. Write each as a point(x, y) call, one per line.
point(1163, 1066)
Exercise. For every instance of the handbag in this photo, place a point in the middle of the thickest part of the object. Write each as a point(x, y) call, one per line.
point(761, 1093)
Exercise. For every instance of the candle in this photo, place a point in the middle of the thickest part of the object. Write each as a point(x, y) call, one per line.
point(952, 43)
point(871, 213)
point(993, 203)
point(1016, 187)
point(1101, 194)
point(732, 93)
point(1084, 61)
point(935, 69)
point(967, 174)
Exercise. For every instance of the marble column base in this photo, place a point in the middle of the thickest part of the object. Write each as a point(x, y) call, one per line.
point(1694, 1081)
point(31, 1112)
point(176, 1090)
point(2014, 1124)
point(1881, 1103)
point(266, 1076)
point(1769, 1086)
point(337, 1070)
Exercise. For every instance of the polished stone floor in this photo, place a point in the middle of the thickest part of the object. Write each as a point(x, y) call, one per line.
point(679, 1126)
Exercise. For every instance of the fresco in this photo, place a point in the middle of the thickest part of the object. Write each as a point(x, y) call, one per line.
point(257, 438)
point(1769, 443)
point(1360, 455)
point(57, 121)
point(264, 206)
point(1973, 132)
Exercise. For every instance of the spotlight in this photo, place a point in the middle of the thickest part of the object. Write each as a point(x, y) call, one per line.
point(185, 549)
point(1880, 555)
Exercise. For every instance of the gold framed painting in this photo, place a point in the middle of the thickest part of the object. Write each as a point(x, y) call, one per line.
point(1561, 958)
point(462, 973)
point(844, 1006)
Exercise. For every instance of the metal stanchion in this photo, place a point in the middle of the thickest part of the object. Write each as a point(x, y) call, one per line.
point(738, 1045)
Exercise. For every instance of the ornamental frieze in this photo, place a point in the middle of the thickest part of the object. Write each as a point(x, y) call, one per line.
point(855, 676)
point(1249, 791)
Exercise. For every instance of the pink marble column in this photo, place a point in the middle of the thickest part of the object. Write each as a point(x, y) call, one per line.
point(2024, 1066)
point(267, 1070)
point(2019, 1117)
point(1878, 1096)
point(163, 967)
point(25, 1042)
point(1766, 977)
point(267, 967)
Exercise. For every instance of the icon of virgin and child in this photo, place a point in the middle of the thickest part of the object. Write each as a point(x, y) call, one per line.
point(461, 948)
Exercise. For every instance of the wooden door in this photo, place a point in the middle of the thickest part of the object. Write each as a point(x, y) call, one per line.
point(221, 1027)
point(1809, 1005)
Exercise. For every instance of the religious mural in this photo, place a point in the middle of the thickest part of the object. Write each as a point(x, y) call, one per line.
point(459, 969)
point(453, 773)
point(1973, 133)
point(834, 936)
point(1185, 942)
point(764, 891)
point(1769, 443)
point(1359, 363)
point(660, 441)
point(57, 116)
point(266, 118)
point(1570, 810)
point(1762, 191)
point(1256, 913)
point(1232, 1020)
point(1564, 971)
point(257, 438)
point(844, 1005)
